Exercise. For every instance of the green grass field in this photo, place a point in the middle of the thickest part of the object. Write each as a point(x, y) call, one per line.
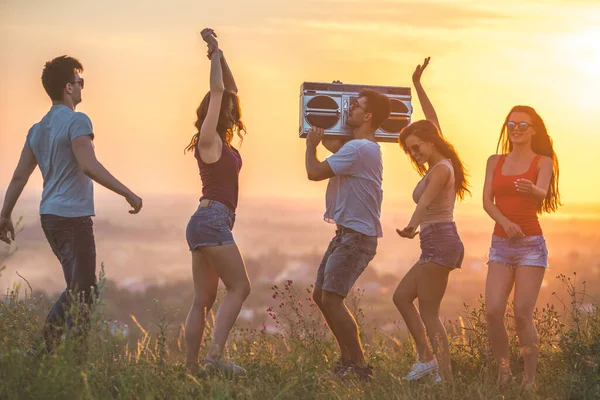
point(294, 364)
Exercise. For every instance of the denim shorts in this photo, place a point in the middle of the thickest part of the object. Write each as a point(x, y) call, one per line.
point(347, 256)
point(519, 251)
point(441, 244)
point(210, 225)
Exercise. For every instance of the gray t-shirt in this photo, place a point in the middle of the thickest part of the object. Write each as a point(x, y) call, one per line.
point(68, 192)
point(354, 195)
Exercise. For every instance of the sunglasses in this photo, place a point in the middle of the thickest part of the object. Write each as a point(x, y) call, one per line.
point(356, 104)
point(80, 81)
point(522, 126)
point(415, 148)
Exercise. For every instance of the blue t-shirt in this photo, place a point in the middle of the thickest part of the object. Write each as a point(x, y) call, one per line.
point(354, 194)
point(68, 192)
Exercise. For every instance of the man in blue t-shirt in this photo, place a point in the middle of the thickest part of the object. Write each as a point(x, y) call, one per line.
point(353, 203)
point(61, 144)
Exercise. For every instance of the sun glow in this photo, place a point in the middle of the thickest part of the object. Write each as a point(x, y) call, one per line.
point(586, 51)
point(581, 51)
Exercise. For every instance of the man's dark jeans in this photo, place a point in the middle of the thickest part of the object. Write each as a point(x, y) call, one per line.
point(72, 241)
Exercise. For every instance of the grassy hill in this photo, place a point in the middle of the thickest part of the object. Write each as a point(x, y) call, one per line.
point(293, 363)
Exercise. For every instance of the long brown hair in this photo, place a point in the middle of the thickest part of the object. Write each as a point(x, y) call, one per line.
point(230, 119)
point(428, 132)
point(541, 143)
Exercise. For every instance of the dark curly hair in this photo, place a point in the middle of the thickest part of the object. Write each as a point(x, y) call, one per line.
point(230, 121)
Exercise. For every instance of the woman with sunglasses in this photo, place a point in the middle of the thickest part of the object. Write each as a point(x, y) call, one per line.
point(215, 255)
point(520, 183)
point(444, 180)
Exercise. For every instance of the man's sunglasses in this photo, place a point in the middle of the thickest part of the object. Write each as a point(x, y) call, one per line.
point(80, 81)
point(356, 104)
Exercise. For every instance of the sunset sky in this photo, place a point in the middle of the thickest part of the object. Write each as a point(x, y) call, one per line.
point(146, 72)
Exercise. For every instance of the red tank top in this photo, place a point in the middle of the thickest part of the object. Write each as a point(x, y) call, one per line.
point(220, 179)
point(518, 207)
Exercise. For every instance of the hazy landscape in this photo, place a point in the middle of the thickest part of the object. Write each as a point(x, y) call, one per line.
point(146, 256)
point(136, 348)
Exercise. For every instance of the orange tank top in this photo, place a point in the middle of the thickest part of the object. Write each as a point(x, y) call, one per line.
point(519, 208)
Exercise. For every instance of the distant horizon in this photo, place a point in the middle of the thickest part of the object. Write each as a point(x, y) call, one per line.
point(34, 193)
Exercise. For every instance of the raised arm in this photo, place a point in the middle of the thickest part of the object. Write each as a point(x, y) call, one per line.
point(23, 171)
point(316, 170)
point(209, 141)
point(426, 105)
point(228, 80)
point(511, 229)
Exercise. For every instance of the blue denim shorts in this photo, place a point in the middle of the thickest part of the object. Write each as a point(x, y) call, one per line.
point(347, 256)
point(210, 225)
point(441, 244)
point(519, 252)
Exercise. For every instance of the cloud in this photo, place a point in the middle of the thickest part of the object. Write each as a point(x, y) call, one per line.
point(452, 15)
point(442, 15)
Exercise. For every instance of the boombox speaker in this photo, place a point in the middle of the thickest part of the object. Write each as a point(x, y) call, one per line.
point(326, 105)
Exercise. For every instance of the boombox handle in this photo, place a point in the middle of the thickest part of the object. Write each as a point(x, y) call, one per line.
point(346, 107)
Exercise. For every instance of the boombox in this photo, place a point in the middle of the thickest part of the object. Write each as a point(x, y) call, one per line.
point(326, 105)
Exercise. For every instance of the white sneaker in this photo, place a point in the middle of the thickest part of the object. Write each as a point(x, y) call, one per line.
point(224, 366)
point(421, 369)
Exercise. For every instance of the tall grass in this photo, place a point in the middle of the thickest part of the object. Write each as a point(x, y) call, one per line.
point(290, 358)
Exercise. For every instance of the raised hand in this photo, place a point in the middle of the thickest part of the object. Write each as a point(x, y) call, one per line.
point(209, 36)
point(409, 232)
point(314, 137)
point(211, 49)
point(419, 71)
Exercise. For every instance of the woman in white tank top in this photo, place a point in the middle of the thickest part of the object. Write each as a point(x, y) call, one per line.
point(442, 250)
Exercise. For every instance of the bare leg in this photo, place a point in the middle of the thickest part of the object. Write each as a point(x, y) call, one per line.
point(345, 325)
point(432, 282)
point(528, 281)
point(227, 262)
point(318, 299)
point(206, 283)
point(404, 298)
point(499, 283)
